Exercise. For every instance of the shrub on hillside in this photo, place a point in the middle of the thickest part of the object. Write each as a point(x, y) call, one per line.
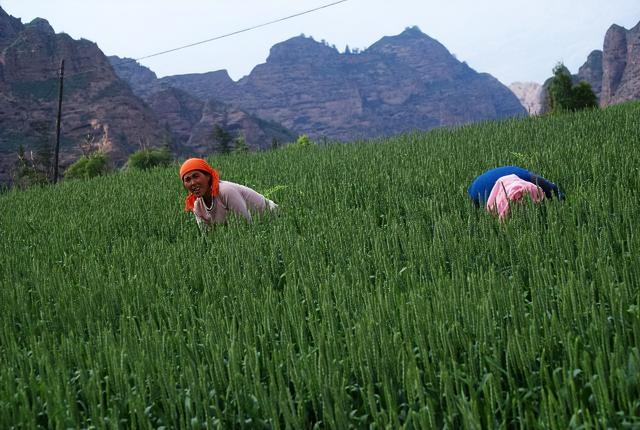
point(29, 170)
point(148, 158)
point(240, 144)
point(88, 166)
point(222, 140)
point(303, 141)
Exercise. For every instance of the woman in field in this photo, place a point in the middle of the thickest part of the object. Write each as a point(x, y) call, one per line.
point(495, 188)
point(212, 200)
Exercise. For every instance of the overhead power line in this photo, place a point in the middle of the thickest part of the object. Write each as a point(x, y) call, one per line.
point(233, 33)
point(241, 31)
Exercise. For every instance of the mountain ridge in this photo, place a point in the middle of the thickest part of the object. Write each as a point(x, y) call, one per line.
point(100, 110)
point(97, 105)
point(400, 83)
point(191, 117)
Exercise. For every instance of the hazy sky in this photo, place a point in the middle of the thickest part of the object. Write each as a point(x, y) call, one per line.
point(511, 39)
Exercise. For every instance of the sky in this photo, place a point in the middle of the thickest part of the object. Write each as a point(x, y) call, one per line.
point(513, 40)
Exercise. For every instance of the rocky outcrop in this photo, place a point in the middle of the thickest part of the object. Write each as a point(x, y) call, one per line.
point(620, 65)
point(190, 116)
point(97, 105)
point(142, 80)
point(200, 85)
point(614, 72)
point(9, 29)
point(591, 72)
point(529, 94)
point(178, 112)
point(409, 81)
point(257, 133)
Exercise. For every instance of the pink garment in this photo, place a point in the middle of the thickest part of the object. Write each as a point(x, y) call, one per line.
point(232, 198)
point(511, 188)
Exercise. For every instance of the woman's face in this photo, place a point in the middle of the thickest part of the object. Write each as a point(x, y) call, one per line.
point(198, 182)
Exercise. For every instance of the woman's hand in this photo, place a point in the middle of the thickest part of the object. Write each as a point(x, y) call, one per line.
point(200, 211)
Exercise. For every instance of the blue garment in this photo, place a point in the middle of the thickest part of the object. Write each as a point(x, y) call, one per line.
point(482, 185)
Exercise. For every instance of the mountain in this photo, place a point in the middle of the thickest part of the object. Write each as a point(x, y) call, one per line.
point(614, 72)
point(97, 105)
point(404, 82)
point(529, 94)
point(190, 115)
point(400, 83)
point(201, 85)
point(591, 71)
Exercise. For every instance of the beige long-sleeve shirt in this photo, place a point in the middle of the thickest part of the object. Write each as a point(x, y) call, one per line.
point(232, 198)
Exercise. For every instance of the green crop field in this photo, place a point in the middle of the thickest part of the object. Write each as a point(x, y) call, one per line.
point(378, 298)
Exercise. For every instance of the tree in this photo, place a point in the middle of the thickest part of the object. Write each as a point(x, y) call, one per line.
point(560, 89)
point(564, 96)
point(43, 160)
point(240, 144)
point(167, 139)
point(35, 167)
point(584, 97)
point(88, 166)
point(148, 158)
point(26, 172)
point(302, 141)
point(222, 138)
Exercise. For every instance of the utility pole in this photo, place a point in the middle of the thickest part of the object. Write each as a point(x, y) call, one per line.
point(55, 166)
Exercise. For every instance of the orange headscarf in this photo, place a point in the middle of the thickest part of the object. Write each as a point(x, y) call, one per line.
point(199, 164)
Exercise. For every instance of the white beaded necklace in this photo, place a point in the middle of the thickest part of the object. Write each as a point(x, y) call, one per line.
point(209, 208)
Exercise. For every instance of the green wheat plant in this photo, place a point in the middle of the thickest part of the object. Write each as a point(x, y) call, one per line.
point(380, 297)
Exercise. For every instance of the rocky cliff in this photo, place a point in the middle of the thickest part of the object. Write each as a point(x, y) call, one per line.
point(97, 105)
point(529, 94)
point(189, 113)
point(409, 81)
point(142, 80)
point(591, 71)
point(614, 72)
point(201, 85)
point(620, 65)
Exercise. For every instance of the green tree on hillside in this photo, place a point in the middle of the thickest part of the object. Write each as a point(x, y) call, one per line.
point(240, 144)
point(149, 158)
point(44, 151)
point(564, 96)
point(88, 166)
point(560, 89)
point(34, 167)
point(223, 139)
point(303, 141)
point(27, 172)
point(583, 96)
